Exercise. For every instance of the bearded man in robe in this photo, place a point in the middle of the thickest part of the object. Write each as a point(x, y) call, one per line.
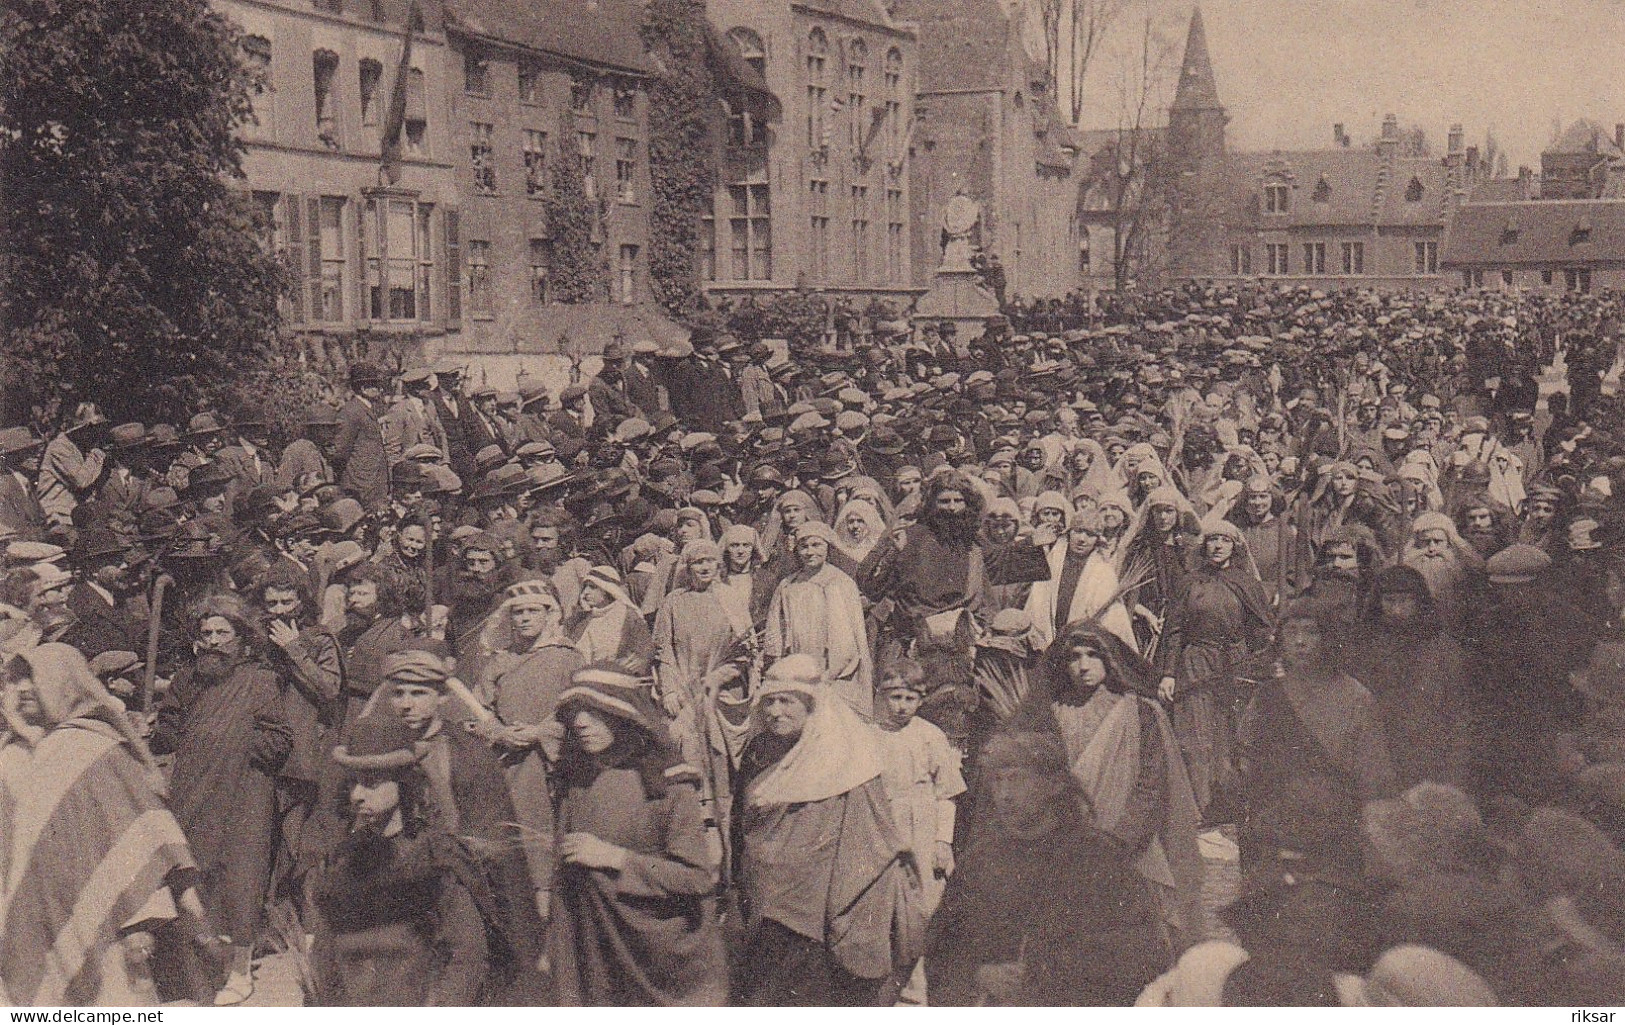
point(1449, 566)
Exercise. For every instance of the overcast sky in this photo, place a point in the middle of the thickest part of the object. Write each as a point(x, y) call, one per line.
point(1288, 69)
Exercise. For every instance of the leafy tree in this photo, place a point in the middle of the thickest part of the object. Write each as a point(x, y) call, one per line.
point(682, 108)
point(131, 273)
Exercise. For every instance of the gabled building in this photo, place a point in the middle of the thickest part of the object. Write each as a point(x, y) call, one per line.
point(1565, 245)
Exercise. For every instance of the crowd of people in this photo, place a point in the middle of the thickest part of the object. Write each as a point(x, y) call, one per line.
point(936, 671)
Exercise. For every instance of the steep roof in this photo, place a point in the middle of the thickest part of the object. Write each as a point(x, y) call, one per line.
point(1585, 136)
point(1197, 88)
point(870, 12)
point(1336, 187)
point(1536, 232)
point(1497, 190)
point(601, 32)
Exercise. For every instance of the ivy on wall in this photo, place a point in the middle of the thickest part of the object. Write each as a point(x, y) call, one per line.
point(682, 111)
point(580, 268)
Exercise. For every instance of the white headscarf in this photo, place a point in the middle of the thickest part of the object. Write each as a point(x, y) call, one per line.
point(836, 753)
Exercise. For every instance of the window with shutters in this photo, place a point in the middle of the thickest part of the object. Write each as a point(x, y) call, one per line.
point(417, 115)
point(293, 219)
point(626, 170)
point(581, 95)
point(535, 162)
point(1276, 252)
point(817, 89)
point(329, 256)
point(541, 265)
point(629, 275)
point(480, 291)
point(1353, 257)
point(1427, 257)
point(708, 242)
point(482, 156)
point(397, 246)
point(372, 73)
point(626, 102)
point(453, 265)
point(530, 82)
point(325, 71)
point(1276, 198)
point(587, 149)
point(476, 71)
point(1241, 260)
point(1314, 257)
point(257, 55)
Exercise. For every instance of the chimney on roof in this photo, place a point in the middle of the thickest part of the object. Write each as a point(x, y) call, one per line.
point(1388, 141)
point(1457, 139)
point(1619, 135)
point(1526, 182)
point(1340, 138)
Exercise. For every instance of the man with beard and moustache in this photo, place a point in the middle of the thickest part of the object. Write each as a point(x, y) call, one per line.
point(1485, 527)
point(1449, 566)
point(552, 532)
point(1524, 642)
point(372, 629)
point(472, 589)
point(1418, 674)
point(305, 656)
point(1219, 618)
point(1258, 516)
point(224, 721)
point(935, 578)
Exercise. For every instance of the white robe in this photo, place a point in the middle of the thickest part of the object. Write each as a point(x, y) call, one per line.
point(1096, 585)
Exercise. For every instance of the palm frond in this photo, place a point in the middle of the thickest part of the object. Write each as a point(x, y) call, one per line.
point(1004, 684)
point(288, 933)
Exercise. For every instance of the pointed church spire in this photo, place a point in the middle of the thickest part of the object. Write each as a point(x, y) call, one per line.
point(1197, 89)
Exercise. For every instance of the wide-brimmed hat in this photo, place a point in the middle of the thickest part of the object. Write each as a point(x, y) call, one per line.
point(379, 742)
point(202, 425)
point(97, 543)
point(14, 440)
point(364, 374)
point(86, 414)
point(128, 436)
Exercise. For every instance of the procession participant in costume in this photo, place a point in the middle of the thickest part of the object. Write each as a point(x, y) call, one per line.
point(606, 623)
point(829, 901)
point(817, 611)
point(635, 918)
point(1082, 586)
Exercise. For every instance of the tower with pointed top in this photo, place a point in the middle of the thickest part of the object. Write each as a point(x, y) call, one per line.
point(1194, 168)
point(1196, 119)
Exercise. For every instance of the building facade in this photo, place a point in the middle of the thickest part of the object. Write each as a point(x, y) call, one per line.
point(986, 129)
point(527, 85)
point(378, 266)
point(820, 198)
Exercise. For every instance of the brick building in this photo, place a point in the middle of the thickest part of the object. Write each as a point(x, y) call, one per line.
point(377, 266)
point(526, 83)
point(987, 129)
point(819, 198)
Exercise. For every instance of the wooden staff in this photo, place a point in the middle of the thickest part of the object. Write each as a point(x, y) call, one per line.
point(155, 621)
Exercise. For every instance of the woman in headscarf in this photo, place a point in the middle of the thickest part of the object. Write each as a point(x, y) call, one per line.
point(1158, 545)
point(702, 661)
point(223, 720)
point(829, 906)
point(1098, 695)
point(635, 924)
point(1088, 464)
point(1013, 559)
point(1082, 586)
point(1342, 496)
point(92, 863)
point(1218, 619)
point(692, 525)
point(529, 668)
point(607, 624)
point(860, 536)
point(743, 583)
point(1054, 511)
point(817, 611)
point(792, 509)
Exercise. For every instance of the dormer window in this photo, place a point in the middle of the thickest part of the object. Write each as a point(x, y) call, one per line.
point(1323, 191)
point(1413, 191)
point(1509, 232)
point(1581, 233)
point(1275, 198)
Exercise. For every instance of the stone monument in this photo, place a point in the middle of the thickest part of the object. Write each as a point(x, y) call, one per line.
point(957, 296)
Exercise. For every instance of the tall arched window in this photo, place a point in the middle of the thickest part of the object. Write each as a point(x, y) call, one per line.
point(817, 89)
point(743, 128)
point(857, 99)
point(894, 95)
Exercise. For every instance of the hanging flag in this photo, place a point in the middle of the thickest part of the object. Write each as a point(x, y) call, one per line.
point(389, 170)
